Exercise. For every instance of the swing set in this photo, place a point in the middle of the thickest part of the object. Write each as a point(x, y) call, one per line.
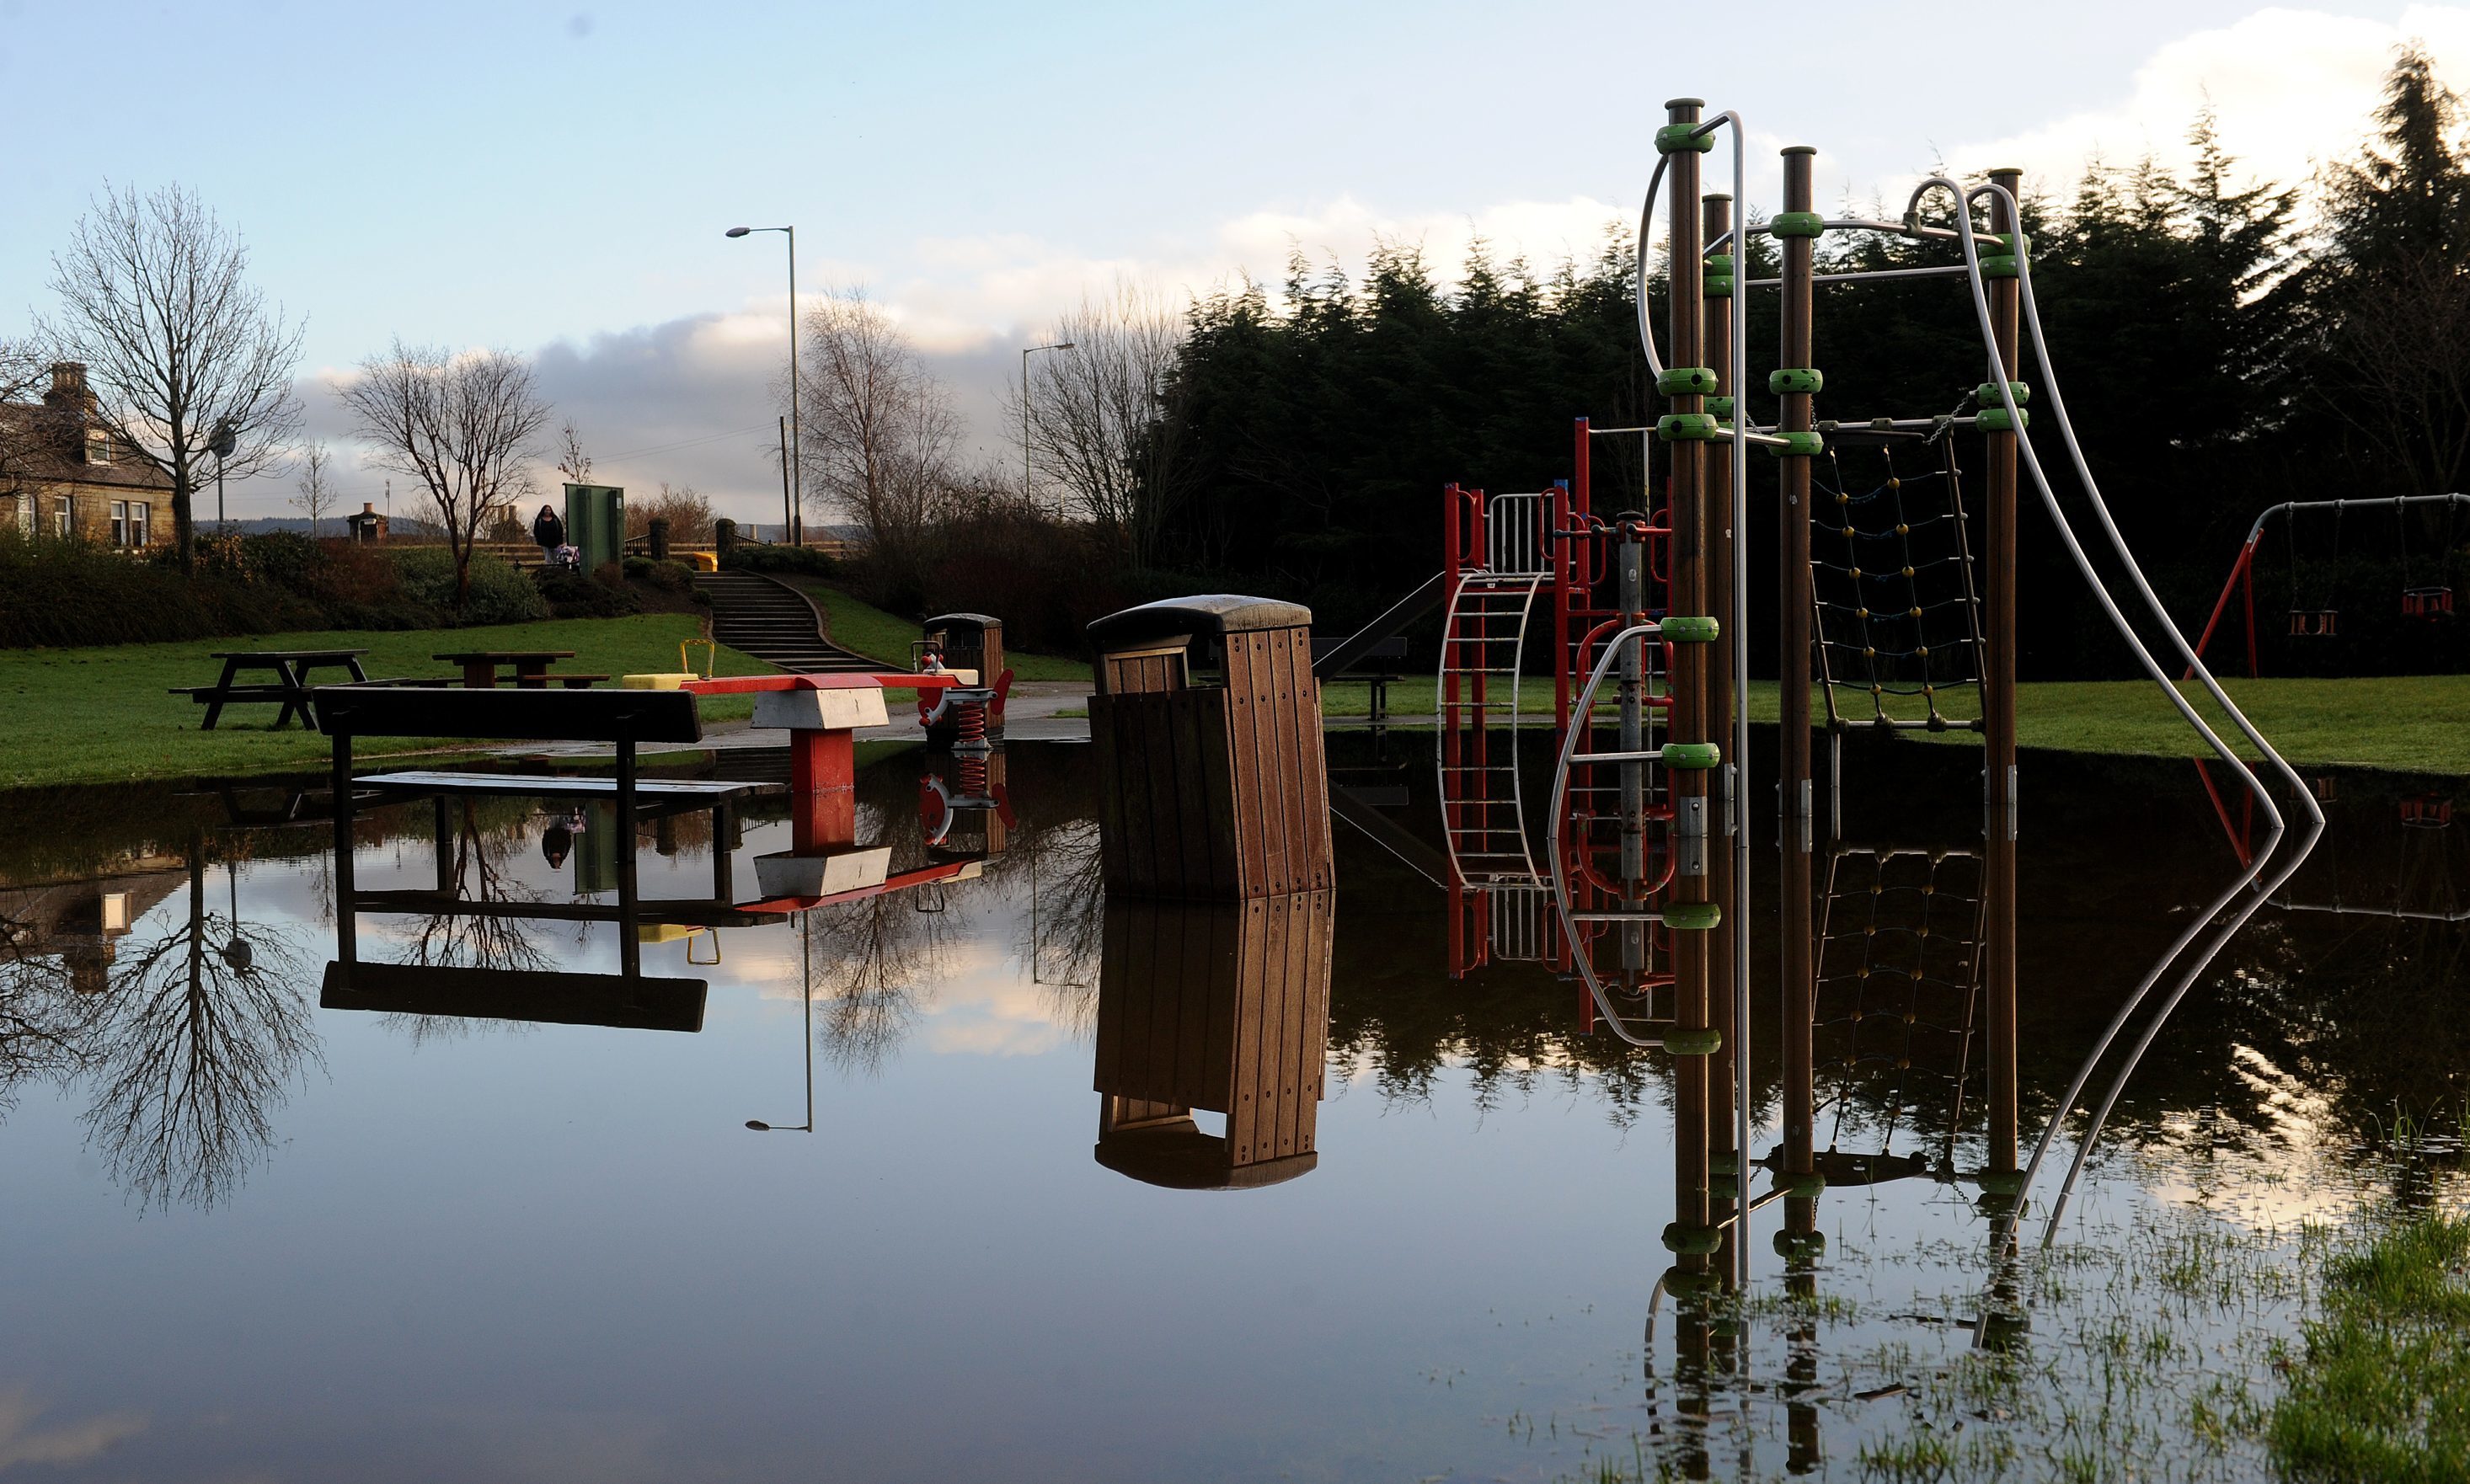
point(2317, 613)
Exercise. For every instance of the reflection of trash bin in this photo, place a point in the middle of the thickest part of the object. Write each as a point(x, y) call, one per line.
point(1211, 778)
point(1222, 1007)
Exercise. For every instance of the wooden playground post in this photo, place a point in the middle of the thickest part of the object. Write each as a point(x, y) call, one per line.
point(1799, 971)
point(1998, 706)
point(1721, 324)
point(1688, 719)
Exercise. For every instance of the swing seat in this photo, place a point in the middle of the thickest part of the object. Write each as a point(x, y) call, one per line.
point(2314, 622)
point(2427, 813)
point(2426, 602)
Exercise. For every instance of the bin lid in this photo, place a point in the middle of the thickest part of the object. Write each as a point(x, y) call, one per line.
point(1180, 619)
point(967, 620)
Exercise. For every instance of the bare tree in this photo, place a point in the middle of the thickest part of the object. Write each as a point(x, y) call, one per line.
point(689, 513)
point(197, 1041)
point(1101, 416)
point(462, 425)
point(314, 498)
point(2403, 341)
point(572, 461)
point(880, 432)
point(183, 356)
point(22, 427)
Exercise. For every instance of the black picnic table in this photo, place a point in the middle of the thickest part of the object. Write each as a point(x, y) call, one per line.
point(531, 666)
point(290, 687)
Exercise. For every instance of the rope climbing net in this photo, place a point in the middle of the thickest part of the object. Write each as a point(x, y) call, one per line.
point(1899, 619)
point(1899, 992)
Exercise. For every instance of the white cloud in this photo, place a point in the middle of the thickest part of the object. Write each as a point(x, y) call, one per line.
point(2291, 89)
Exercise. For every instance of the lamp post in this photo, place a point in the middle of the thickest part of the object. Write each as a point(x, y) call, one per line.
point(793, 520)
point(221, 443)
point(1026, 489)
point(806, 992)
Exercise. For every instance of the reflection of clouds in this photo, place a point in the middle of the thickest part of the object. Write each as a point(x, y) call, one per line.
point(987, 1006)
point(24, 1440)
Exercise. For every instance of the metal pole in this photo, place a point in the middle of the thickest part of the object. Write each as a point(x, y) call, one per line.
point(786, 503)
point(1027, 488)
point(1720, 325)
point(1686, 266)
point(1998, 721)
point(1793, 770)
point(797, 527)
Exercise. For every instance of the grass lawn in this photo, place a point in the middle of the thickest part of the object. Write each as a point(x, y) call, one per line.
point(886, 638)
point(2384, 1390)
point(103, 714)
point(2415, 723)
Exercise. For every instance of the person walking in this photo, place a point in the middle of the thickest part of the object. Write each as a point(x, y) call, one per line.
point(549, 532)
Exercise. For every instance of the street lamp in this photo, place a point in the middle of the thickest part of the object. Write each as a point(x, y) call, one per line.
point(221, 443)
point(806, 992)
point(1026, 351)
point(793, 520)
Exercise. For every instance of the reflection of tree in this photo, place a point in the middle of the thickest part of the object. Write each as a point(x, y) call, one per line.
point(1063, 936)
point(40, 1012)
point(869, 961)
point(475, 871)
point(196, 1040)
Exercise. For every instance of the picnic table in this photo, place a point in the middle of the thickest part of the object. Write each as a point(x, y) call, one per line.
point(290, 686)
point(531, 668)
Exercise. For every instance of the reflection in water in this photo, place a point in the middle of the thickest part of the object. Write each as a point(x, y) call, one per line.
point(194, 1044)
point(1221, 1008)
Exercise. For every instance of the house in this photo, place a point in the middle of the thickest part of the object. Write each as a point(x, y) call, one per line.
point(366, 524)
point(63, 474)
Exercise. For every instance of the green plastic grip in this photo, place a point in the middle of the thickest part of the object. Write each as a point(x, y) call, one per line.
point(1719, 408)
point(1716, 286)
point(1994, 420)
point(1998, 267)
point(1796, 223)
point(1686, 381)
point(1689, 757)
point(1799, 445)
point(1806, 1186)
point(1686, 426)
point(1792, 1244)
point(1673, 138)
point(1985, 395)
point(1697, 1041)
point(1684, 629)
point(1691, 916)
point(1689, 1239)
point(1796, 378)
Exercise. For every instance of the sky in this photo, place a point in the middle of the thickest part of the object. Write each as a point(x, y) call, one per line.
point(554, 179)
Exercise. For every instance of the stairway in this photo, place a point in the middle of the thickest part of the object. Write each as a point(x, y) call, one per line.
point(775, 623)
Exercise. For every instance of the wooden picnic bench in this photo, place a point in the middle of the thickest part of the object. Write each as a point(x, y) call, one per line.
point(290, 685)
point(1380, 662)
point(480, 667)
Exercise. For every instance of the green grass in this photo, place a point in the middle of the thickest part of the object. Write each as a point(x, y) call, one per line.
point(2384, 1389)
point(2415, 724)
point(104, 714)
point(886, 638)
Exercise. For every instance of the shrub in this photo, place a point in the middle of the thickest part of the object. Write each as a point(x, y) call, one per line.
point(573, 596)
point(499, 592)
point(780, 559)
point(68, 593)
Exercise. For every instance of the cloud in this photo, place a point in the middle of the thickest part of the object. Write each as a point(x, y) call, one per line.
point(2290, 89)
point(23, 1442)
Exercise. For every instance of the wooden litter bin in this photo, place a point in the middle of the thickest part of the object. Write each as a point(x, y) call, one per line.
point(1212, 783)
point(1220, 1006)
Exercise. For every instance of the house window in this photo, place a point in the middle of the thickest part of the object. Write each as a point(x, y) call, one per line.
point(128, 523)
point(98, 446)
point(138, 511)
point(62, 511)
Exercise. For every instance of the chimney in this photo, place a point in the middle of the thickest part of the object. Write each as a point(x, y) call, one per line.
point(368, 507)
point(69, 390)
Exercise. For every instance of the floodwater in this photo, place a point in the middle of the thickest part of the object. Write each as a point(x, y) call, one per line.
point(250, 1236)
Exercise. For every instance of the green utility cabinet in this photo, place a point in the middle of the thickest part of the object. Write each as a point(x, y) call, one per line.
point(596, 523)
